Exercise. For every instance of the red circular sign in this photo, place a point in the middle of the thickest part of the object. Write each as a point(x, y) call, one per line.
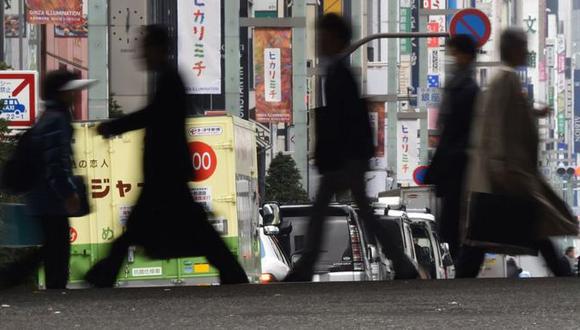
point(73, 234)
point(204, 160)
point(419, 175)
point(472, 22)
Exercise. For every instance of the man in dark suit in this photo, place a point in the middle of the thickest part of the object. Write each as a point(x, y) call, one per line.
point(166, 221)
point(448, 167)
point(344, 146)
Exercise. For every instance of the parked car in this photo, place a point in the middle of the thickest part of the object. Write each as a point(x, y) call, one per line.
point(431, 253)
point(345, 254)
point(397, 225)
point(275, 263)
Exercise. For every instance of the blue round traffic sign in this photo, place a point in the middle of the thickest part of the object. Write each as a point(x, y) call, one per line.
point(419, 175)
point(472, 22)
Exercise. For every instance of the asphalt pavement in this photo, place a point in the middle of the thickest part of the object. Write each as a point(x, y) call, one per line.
point(455, 304)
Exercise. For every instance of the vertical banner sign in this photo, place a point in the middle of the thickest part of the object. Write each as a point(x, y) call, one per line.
point(199, 44)
point(272, 75)
point(273, 65)
point(407, 150)
point(414, 48)
point(244, 65)
point(405, 47)
point(577, 111)
point(54, 11)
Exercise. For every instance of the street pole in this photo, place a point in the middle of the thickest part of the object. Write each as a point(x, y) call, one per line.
point(232, 50)
point(299, 110)
point(2, 57)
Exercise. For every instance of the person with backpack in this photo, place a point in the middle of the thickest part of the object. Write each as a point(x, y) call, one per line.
point(51, 192)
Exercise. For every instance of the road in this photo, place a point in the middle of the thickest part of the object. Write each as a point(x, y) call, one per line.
point(458, 304)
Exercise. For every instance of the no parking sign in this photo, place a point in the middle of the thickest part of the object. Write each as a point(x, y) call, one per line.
point(18, 95)
point(472, 22)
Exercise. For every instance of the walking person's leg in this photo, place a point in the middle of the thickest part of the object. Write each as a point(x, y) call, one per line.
point(404, 269)
point(468, 264)
point(56, 251)
point(218, 254)
point(550, 254)
point(304, 269)
point(104, 273)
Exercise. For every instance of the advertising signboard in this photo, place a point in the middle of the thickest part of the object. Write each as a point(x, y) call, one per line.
point(199, 45)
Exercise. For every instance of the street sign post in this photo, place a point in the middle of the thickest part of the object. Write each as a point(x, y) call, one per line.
point(18, 95)
point(472, 22)
point(419, 175)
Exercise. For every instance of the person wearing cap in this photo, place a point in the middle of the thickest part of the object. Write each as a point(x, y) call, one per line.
point(54, 197)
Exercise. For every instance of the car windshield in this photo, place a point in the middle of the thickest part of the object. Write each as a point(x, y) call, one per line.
point(336, 250)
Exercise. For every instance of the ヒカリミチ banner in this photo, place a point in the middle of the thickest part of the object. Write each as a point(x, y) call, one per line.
point(273, 63)
point(54, 11)
point(199, 44)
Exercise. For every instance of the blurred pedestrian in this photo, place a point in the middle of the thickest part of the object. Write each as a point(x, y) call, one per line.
point(448, 167)
point(165, 221)
point(344, 146)
point(512, 269)
point(512, 206)
point(55, 196)
point(569, 260)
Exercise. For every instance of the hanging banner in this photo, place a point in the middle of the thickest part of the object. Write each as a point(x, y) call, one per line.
point(407, 150)
point(199, 45)
point(273, 65)
point(54, 11)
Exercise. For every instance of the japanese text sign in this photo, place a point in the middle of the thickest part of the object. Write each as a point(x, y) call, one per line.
point(273, 62)
point(54, 11)
point(199, 45)
point(18, 97)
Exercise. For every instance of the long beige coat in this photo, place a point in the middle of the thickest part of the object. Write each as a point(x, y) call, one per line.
point(504, 155)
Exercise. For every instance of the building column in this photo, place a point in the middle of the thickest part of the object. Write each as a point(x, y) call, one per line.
point(232, 52)
point(299, 138)
point(98, 59)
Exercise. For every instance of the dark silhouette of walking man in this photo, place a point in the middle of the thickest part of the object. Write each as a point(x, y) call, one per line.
point(344, 146)
point(165, 221)
point(448, 167)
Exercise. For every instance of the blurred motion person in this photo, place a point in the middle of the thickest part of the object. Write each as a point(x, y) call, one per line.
point(165, 221)
point(504, 164)
point(344, 146)
point(569, 261)
point(448, 167)
point(55, 196)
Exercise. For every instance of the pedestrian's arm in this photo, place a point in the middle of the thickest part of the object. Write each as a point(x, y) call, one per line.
point(130, 122)
point(56, 151)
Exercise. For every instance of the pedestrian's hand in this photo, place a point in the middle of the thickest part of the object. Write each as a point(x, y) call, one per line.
point(72, 204)
point(545, 112)
point(103, 130)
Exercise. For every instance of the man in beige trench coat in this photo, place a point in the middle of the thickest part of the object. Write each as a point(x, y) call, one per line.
point(504, 159)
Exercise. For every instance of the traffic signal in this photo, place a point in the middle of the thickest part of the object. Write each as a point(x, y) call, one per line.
point(566, 171)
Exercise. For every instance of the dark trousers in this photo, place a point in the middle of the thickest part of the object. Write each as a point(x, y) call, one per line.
point(471, 259)
point(204, 241)
point(56, 251)
point(353, 179)
point(54, 255)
